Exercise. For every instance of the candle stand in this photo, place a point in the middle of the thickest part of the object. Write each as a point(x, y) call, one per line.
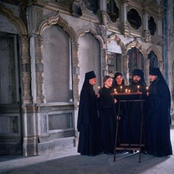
point(129, 98)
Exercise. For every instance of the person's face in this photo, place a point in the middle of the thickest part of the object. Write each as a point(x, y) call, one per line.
point(136, 78)
point(93, 81)
point(119, 80)
point(152, 78)
point(108, 83)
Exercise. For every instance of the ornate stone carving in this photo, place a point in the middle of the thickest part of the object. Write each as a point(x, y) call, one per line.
point(86, 13)
point(14, 19)
point(75, 49)
point(156, 51)
point(99, 34)
point(39, 70)
point(124, 27)
point(146, 36)
point(26, 71)
point(138, 46)
point(60, 21)
point(119, 42)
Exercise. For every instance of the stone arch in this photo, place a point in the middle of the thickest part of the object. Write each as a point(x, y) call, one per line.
point(118, 41)
point(57, 19)
point(138, 46)
point(14, 19)
point(94, 31)
point(97, 33)
point(156, 51)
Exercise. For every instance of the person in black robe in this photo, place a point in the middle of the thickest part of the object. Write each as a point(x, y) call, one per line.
point(134, 110)
point(119, 86)
point(107, 116)
point(118, 83)
point(159, 120)
point(88, 119)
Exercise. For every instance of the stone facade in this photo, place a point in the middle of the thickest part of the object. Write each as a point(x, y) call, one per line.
point(54, 43)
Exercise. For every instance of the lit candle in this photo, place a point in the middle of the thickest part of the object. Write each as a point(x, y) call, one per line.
point(129, 91)
point(115, 91)
point(98, 88)
point(138, 87)
point(147, 88)
point(121, 88)
point(125, 90)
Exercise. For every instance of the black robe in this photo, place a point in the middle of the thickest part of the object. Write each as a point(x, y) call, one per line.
point(88, 122)
point(107, 120)
point(135, 115)
point(122, 122)
point(159, 119)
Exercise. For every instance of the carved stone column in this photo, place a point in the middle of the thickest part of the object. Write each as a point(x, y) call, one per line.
point(29, 130)
point(29, 110)
point(125, 28)
point(103, 9)
point(146, 32)
point(39, 70)
point(26, 72)
point(76, 70)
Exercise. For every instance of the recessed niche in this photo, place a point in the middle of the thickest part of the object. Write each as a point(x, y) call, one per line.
point(152, 26)
point(134, 19)
point(112, 10)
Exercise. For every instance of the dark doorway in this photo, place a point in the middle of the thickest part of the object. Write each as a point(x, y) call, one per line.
point(10, 98)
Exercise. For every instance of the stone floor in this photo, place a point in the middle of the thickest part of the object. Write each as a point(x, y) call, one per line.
point(70, 162)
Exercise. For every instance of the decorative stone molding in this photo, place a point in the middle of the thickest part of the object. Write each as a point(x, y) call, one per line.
point(59, 21)
point(14, 19)
point(61, 5)
point(100, 34)
point(119, 42)
point(86, 14)
point(39, 70)
point(156, 51)
point(95, 31)
point(138, 46)
point(75, 50)
point(26, 71)
point(146, 36)
point(104, 18)
point(125, 29)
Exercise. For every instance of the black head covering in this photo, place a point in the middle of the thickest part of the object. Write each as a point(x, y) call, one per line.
point(156, 72)
point(90, 75)
point(140, 73)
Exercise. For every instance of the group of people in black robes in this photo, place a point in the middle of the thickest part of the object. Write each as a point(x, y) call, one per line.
point(98, 114)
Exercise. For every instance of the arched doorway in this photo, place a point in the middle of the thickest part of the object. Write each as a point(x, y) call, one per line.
point(153, 59)
point(135, 60)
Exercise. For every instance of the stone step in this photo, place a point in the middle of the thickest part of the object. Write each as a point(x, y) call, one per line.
point(56, 145)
